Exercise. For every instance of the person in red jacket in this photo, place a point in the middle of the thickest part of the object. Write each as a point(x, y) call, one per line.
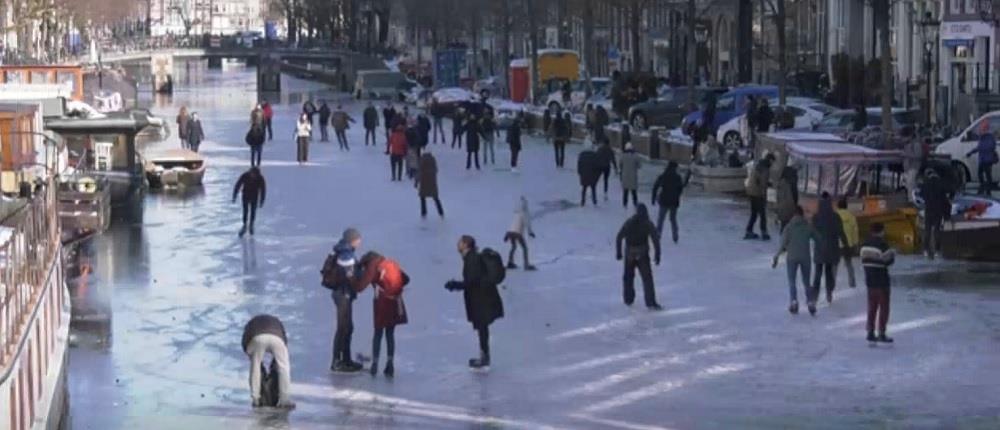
point(265, 107)
point(397, 151)
point(387, 280)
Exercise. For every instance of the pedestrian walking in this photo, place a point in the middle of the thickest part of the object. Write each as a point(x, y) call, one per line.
point(370, 117)
point(547, 124)
point(341, 122)
point(339, 275)
point(601, 121)
point(668, 187)
point(195, 132)
point(268, 112)
point(876, 257)
point(637, 232)
point(987, 151)
point(514, 140)
point(183, 119)
point(937, 209)
point(437, 113)
point(479, 283)
point(489, 132)
point(255, 139)
point(829, 249)
point(606, 160)
point(850, 225)
point(765, 116)
point(302, 132)
point(562, 130)
point(629, 171)
point(324, 122)
point(756, 188)
point(387, 280)
point(265, 334)
point(795, 241)
point(423, 131)
point(256, 116)
point(412, 158)
point(515, 234)
point(427, 184)
point(397, 150)
point(457, 127)
point(388, 119)
point(588, 121)
point(589, 170)
point(254, 189)
point(787, 196)
point(472, 133)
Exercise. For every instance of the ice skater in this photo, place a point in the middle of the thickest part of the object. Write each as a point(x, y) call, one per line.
point(255, 139)
point(471, 142)
point(514, 140)
point(876, 257)
point(388, 119)
point(303, 131)
point(562, 130)
point(515, 234)
point(183, 119)
point(268, 112)
point(254, 189)
point(637, 232)
point(756, 188)
point(339, 273)
point(606, 160)
point(397, 151)
point(668, 187)
point(832, 241)
point(387, 280)
point(629, 172)
point(427, 184)
point(265, 334)
point(590, 172)
point(483, 305)
point(850, 223)
point(370, 117)
point(324, 122)
point(437, 113)
point(795, 242)
point(457, 127)
point(341, 122)
point(489, 131)
point(195, 133)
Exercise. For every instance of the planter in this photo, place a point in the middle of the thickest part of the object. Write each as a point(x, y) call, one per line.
point(719, 179)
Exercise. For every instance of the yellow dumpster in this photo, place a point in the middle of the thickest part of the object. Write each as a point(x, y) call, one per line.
point(900, 228)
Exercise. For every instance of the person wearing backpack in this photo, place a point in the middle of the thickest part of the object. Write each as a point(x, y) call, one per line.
point(265, 334)
point(481, 273)
point(387, 280)
point(255, 139)
point(589, 170)
point(339, 272)
point(515, 234)
point(637, 232)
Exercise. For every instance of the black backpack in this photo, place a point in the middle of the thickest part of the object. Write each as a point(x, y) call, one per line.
point(329, 272)
point(495, 271)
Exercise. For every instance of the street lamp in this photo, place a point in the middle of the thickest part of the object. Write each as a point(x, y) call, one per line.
point(929, 28)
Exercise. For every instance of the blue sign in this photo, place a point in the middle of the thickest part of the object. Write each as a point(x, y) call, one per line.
point(448, 67)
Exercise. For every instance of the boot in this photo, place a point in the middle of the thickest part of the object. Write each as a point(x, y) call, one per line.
point(794, 307)
point(243, 231)
point(511, 266)
point(750, 236)
point(884, 339)
point(871, 337)
point(812, 309)
point(829, 296)
point(481, 362)
point(251, 230)
point(374, 369)
point(389, 369)
point(530, 268)
point(765, 237)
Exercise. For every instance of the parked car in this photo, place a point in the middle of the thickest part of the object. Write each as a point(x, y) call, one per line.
point(958, 146)
point(669, 107)
point(378, 84)
point(487, 87)
point(603, 98)
point(505, 111)
point(452, 97)
point(734, 103)
point(842, 121)
point(807, 113)
point(579, 95)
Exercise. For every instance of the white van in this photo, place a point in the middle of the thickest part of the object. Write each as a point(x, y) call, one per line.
point(959, 145)
point(378, 84)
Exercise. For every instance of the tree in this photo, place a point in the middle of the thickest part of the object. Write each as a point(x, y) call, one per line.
point(882, 20)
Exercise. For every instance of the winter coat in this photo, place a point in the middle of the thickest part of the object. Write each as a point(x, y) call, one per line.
point(324, 115)
point(397, 143)
point(606, 157)
point(482, 300)
point(987, 149)
point(341, 120)
point(629, 166)
point(850, 223)
point(831, 232)
point(424, 129)
point(588, 169)
point(182, 126)
point(785, 208)
point(253, 185)
point(488, 128)
point(457, 122)
point(472, 136)
point(765, 116)
point(522, 219)
point(388, 280)
point(263, 324)
point(255, 137)
point(256, 117)
point(937, 204)
point(562, 129)
point(757, 182)
point(514, 136)
point(795, 240)
point(268, 111)
point(637, 232)
point(387, 116)
point(670, 186)
point(195, 134)
point(876, 257)
point(303, 128)
point(346, 266)
point(370, 117)
point(427, 176)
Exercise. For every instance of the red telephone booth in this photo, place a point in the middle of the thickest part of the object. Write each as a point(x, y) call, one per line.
point(520, 80)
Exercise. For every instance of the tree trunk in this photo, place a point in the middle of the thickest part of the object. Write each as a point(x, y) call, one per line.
point(290, 18)
point(506, 25)
point(636, 19)
point(692, 59)
point(533, 28)
point(744, 42)
point(883, 24)
point(588, 43)
point(779, 22)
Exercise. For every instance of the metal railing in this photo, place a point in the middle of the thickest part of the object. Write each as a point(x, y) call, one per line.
point(29, 240)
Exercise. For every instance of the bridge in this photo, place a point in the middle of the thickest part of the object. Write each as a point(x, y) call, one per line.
point(246, 53)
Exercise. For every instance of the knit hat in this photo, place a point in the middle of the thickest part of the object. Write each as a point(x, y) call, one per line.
point(351, 234)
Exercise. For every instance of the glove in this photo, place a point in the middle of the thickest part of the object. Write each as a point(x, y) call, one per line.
point(532, 235)
point(450, 286)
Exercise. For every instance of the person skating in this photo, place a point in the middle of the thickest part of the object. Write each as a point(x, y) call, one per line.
point(472, 142)
point(756, 188)
point(547, 124)
point(515, 234)
point(562, 130)
point(488, 130)
point(339, 275)
point(457, 127)
point(629, 171)
point(254, 189)
point(787, 196)
point(514, 140)
point(601, 120)
point(637, 232)
point(437, 114)
point(589, 170)
point(387, 280)
point(412, 158)
point(309, 108)
point(370, 117)
point(388, 118)
point(876, 257)
point(265, 334)
point(341, 122)
point(668, 187)
point(324, 122)
point(606, 160)
point(765, 116)
point(832, 241)
point(256, 116)
point(302, 132)
point(937, 209)
point(483, 304)
point(183, 119)
point(268, 113)
point(423, 131)
point(987, 151)
point(195, 133)
point(255, 139)
point(427, 183)
point(850, 225)
point(397, 150)
point(795, 241)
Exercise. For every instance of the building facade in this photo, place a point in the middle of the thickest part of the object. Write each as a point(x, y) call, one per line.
point(196, 17)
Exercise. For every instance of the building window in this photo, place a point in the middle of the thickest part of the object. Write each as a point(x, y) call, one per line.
point(956, 7)
point(970, 6)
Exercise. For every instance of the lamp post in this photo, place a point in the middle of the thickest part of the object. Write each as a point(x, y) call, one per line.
point(929, 28)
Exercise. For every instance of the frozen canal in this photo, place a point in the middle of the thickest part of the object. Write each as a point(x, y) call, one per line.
point(179, 287)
